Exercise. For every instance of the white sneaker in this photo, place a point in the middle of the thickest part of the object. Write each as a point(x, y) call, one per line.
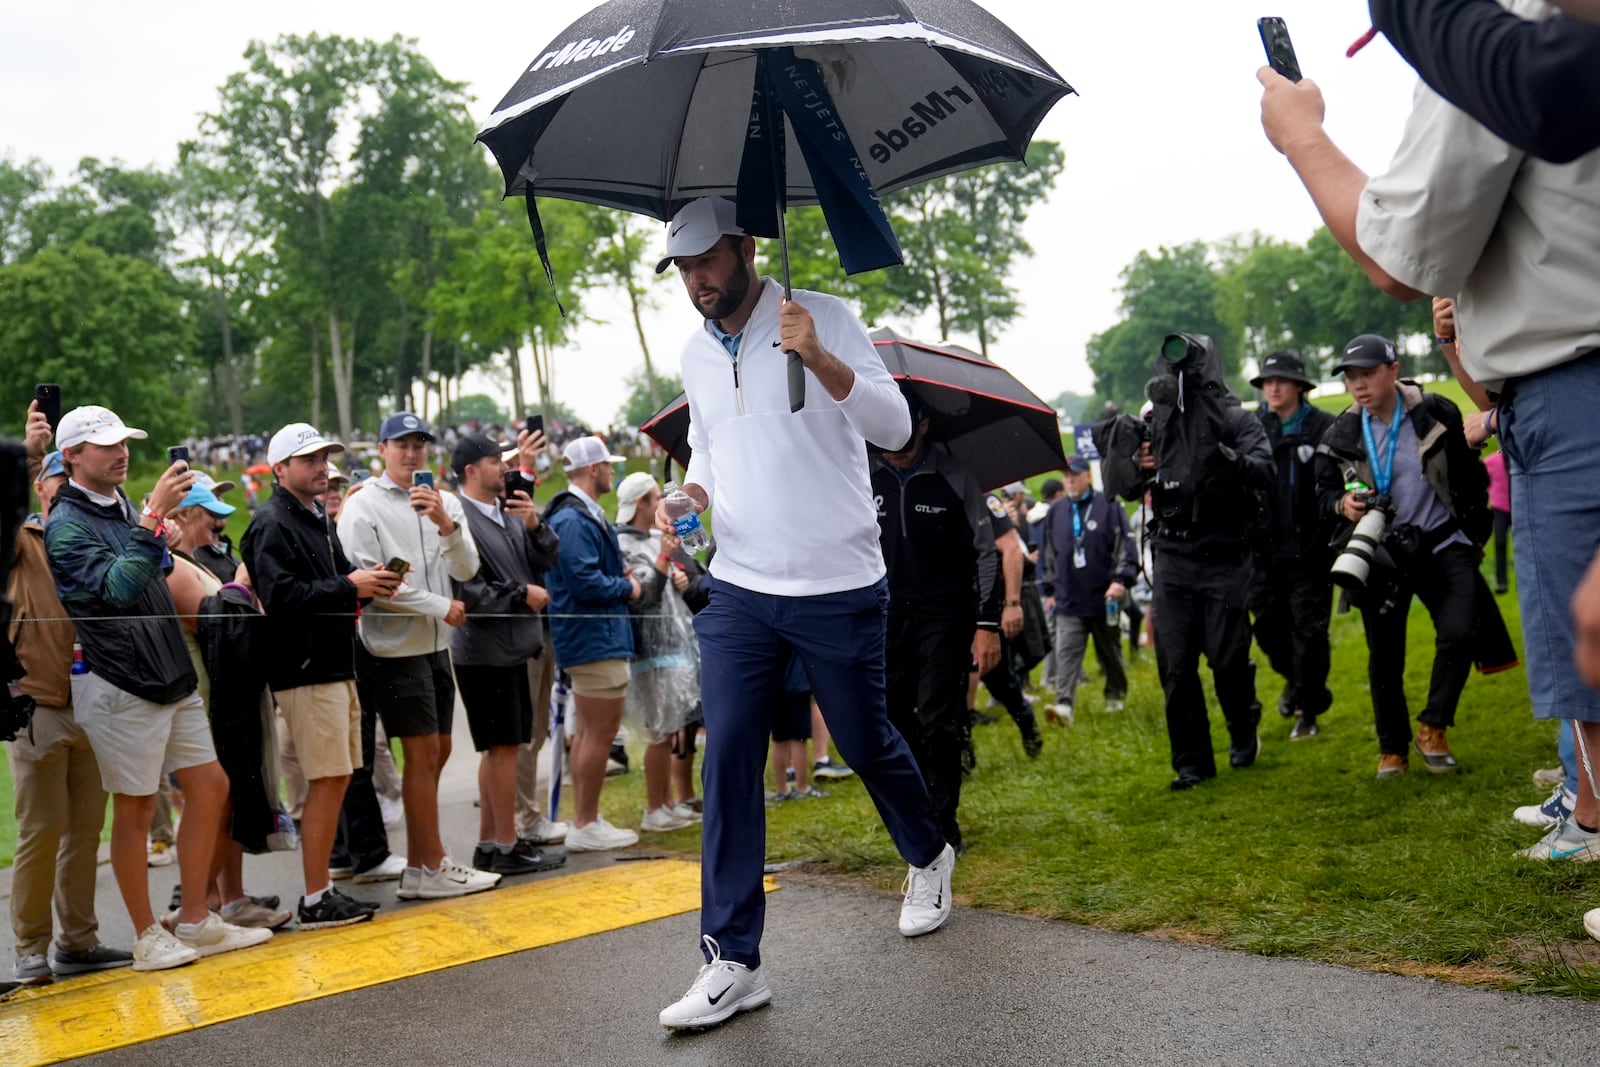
point(1548, 814)
point(546, 832)
point(159, 854)
point(720, 991)
point(599, 836)
point(1115, 705)
point(453, 880)
point(662, 820)
point(211, 935)
point(927, 900)
point(683, 810)
point(387, 871)
point(1591, 923)
point(1059, 714)
point(1565, 841)
point(157, 950)
point(410, 879)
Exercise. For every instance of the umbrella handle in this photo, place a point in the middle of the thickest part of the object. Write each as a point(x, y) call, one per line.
point(797, 382)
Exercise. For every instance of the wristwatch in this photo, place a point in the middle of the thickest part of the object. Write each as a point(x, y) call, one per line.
point(1013, 603)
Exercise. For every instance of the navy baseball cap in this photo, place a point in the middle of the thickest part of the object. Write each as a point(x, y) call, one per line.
point(1368, 350)
point(403, 424)
point(1077, 465)
point(471, 448)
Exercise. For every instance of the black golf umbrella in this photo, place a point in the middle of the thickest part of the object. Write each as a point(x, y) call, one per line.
point(644, 105)
point(977, 411)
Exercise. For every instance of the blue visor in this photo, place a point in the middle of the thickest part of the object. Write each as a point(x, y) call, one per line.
point(201, 497)
point(52, 466)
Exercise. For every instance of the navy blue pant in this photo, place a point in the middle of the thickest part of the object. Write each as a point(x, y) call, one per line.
point(745, 643)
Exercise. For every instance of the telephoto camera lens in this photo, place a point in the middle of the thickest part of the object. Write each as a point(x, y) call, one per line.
point(1354, 565)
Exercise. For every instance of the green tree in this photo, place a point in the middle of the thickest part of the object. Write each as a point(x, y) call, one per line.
point(640, 404)
point(623, 253)
point(117, 210)
point(1174, 290)
point(108, 329)
point(21, 185)
point(473, 406)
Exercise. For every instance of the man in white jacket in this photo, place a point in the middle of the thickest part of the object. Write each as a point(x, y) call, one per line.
point(403, 657)
point(798, 570)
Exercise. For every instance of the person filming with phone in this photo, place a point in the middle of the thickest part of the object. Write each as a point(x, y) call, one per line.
point(403, 659)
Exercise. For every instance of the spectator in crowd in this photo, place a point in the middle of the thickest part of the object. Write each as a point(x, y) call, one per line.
point(212, 549)
point(403, 658)
point(534, 825)
point(491, 652)
point(1208, 458)
point(60, 805)
point(791, 729)
point(934, 527)
point(1291, 593)
point(190, 584)
point(1093, 561)
point(1038, 549)
point(311, 594)
point(664, 678)
point(590, 591)
point(136, 701)
point(799, 571)
point(332, 500)
point(1005, 680)
point(1408, 445)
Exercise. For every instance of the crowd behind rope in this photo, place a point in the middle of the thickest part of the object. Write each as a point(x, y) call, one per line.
point(1243, 520)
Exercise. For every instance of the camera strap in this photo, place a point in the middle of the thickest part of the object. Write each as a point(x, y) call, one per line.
point(1382, 475)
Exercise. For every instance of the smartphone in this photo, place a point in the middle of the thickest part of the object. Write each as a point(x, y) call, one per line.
point(397, 566)
point(515, 483)
point(178, 454)
point(1280, 50)
point(421, 478)
point(534, 423)
point(49, 398)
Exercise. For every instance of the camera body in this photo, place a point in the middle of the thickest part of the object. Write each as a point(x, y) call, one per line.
point(1353, 568)
point(16, 717)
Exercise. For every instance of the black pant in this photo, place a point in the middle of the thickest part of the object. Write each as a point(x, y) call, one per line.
point(1005, 685)
point(926, 672)
point(1502, 526)
point(1135, 615)
point(1200, 607)
point(1292, 605)
point(362, 841)
point(1446, 583)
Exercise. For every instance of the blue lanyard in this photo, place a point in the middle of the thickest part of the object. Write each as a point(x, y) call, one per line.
point(1077, 523)
point(1384, 475)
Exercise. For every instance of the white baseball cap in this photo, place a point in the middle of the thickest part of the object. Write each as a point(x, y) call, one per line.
point(587, 451)
point(634, 488)
point(94, 425)
point(299, 439)
point(697, 226)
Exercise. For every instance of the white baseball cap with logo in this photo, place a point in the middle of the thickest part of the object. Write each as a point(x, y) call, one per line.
point(587, 451)
point(94, 425)
point(299, 439)
point(697, 226)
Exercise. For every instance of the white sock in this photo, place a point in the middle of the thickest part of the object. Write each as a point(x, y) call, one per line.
point(313, 899)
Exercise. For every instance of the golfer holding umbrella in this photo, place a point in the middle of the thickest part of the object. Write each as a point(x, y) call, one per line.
point(797, 567)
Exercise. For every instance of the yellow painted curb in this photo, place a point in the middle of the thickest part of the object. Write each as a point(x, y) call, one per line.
point(114, 1009)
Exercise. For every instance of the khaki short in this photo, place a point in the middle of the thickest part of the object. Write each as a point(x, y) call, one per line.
point(325, 722)
point(137, 742)
point(605, 679)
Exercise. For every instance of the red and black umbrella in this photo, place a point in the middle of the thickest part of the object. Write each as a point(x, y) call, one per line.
point(977, 410)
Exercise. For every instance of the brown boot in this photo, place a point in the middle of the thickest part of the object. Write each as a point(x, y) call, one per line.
point(1434, 749)
point(1390, 765)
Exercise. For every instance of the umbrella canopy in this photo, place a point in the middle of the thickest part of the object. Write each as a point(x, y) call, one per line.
point(983, 416)
point(644, 105)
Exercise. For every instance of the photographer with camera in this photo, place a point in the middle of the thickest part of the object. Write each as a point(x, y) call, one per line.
point(1291, 595)
point(1205, 459)
point(1396, 467)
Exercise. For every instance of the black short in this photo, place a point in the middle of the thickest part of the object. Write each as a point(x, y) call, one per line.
point(499, 704)
point(791, 717)
point(412, 695)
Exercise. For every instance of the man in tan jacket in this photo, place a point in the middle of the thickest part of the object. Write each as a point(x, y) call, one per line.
point(60, 804)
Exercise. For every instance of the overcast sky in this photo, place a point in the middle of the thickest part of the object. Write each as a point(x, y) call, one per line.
point(1163, 144)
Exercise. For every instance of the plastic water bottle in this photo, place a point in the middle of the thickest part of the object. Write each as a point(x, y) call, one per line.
point(1113, 614)
point(79, 665)
point(685, 518)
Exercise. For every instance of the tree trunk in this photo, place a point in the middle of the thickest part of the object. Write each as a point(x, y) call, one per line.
point(230, 374)
point(427, 371)
point(342, 364)
point(644, 346)
point(542, 370)
point(983, 327)
point(316, 377)
point(514, 361)
point(402, 381)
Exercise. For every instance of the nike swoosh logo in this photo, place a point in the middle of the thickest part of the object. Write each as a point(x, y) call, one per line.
point(775, 344)
point(720, 995)
point(679, 230)
point(1567, 853)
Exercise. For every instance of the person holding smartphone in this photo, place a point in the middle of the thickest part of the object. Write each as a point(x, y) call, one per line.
point(403, 658)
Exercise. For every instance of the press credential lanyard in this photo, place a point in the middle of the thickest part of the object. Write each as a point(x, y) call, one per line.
point(1382, 476)
point(1078, 557)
